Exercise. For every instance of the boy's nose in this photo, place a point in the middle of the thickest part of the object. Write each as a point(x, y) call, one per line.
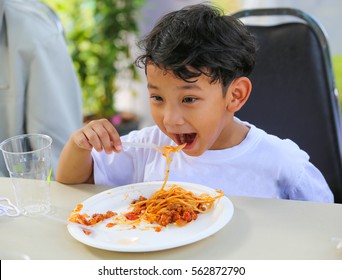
point(173, 117)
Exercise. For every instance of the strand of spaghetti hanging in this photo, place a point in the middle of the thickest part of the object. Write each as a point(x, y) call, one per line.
point(167, 150)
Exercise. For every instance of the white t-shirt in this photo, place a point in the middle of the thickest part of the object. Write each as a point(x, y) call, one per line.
point(262, 165)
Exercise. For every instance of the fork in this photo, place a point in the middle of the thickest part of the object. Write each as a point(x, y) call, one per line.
point(159, 149)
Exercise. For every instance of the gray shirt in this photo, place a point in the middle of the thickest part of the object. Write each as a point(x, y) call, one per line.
point(39, 89)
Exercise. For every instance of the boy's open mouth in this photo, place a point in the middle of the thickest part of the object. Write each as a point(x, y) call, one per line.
point(187, 138)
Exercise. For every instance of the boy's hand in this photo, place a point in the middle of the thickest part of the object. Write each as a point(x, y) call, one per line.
point(100, 135)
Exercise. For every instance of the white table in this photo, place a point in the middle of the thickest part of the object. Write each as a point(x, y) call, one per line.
point(259, 229)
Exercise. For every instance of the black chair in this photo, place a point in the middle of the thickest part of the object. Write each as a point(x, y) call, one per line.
point(294, 94)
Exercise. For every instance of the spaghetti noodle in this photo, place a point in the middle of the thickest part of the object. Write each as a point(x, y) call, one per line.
point(173, 205)
point(167, 150)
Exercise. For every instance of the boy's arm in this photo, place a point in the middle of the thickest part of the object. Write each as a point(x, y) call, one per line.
point(75, 164)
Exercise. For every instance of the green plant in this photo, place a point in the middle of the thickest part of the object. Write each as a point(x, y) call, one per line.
point(337, 63)
point(98, 33)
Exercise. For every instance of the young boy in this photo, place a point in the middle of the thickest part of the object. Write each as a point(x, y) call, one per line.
point(197, 62)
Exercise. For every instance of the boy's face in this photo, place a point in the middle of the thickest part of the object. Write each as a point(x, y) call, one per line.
point(193, 113)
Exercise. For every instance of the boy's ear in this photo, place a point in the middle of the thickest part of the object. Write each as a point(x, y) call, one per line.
point(238, 93)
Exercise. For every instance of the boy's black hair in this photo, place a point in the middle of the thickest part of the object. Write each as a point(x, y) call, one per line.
point(200, 39)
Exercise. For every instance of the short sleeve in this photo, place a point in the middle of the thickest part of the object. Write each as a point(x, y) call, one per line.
point(311, 186)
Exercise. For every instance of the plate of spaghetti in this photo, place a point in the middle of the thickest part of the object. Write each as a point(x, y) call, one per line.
point(150, 216)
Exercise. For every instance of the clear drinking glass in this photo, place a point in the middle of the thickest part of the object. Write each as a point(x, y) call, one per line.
point(28, 160)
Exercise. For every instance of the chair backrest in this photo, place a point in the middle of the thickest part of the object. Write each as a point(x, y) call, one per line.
point(294, 94)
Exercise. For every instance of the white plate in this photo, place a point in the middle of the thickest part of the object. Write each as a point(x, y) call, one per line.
point(142, 239)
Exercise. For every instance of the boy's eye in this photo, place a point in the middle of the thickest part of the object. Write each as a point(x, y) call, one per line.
point(156, 98)
point(189, 99)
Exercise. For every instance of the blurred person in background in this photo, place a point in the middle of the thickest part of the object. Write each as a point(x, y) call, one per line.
point(39, 89)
